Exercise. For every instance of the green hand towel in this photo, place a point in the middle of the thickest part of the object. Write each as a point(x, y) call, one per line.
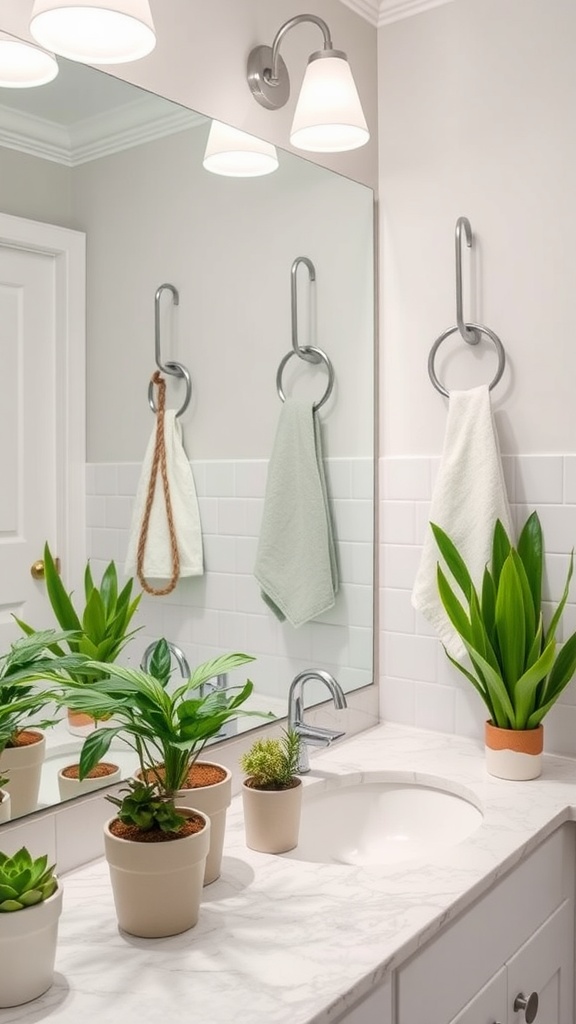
point(296, 559)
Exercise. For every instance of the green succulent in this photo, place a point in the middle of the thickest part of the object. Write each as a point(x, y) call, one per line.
point(145, 807)
point(100, 631)
point(273, 763)
point(516, 668)
point(24, 881)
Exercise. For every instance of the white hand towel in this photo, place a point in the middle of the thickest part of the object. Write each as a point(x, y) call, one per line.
point(296, 561)
point(469, 496)
point(185, 513)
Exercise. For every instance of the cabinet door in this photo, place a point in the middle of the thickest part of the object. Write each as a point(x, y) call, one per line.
point(545, 964)
point(488, 1005)
point(375, 1008)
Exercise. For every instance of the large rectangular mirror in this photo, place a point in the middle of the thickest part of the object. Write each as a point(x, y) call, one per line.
point(92, 153)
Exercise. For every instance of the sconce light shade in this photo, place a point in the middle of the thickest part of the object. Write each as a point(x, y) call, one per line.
point(236, 154)
point(328, 116)
point(94, 31)
point(23, 65)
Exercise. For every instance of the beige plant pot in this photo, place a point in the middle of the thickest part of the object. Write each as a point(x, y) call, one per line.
point(23, 766)
point(71, 787)
point(79, 723)
point(272, 817)
point(514, 754)
point(157, 886)
point(4, 805)
point(28, 950)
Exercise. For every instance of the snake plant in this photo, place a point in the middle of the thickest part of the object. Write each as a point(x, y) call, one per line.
point(516, 665)
point(24, 881)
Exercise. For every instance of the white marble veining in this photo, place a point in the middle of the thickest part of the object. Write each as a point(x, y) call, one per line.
point(283, 941)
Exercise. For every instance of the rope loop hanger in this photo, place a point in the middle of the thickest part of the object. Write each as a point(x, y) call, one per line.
point(172, 368)
point(309, 353)
point(470, 332)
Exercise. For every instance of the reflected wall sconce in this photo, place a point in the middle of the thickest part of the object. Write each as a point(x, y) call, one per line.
point(94, 31)
point(23, 65)
point(329, 116)
point(235, 154)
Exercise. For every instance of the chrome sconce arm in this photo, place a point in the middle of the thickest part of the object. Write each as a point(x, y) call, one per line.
point(268, 76)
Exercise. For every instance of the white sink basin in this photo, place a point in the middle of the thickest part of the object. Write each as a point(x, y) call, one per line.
point(376, 822)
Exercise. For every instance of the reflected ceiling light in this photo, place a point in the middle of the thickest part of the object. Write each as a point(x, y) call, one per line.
point(23, 65)
point(94, 31)
point(236, 154)
point(328, 116)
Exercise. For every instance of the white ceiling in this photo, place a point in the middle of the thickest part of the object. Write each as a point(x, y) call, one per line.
point(383, 12)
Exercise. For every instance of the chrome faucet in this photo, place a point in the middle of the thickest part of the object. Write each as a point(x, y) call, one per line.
point(312, 734)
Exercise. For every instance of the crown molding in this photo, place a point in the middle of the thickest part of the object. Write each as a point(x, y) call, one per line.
point(135, 123)
point(384, 12)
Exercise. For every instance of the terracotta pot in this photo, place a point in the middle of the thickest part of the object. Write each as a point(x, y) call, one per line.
point(272, 817)
point(514, 754)
point(23, 766)
point(79, 723)
point(4, 805)
point(157, 885)
point(104, 774)
point(28, 950)
point(213, 800)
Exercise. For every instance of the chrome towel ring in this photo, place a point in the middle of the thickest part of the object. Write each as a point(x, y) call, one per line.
point(470, 332)
point(308, 352)
point(173, 368)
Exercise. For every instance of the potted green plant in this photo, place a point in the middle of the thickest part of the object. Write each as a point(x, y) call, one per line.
point(99, 632)
point(168, 727)
point(515, 665)
point(22, 746)
point(30, 906)
point(272, 794)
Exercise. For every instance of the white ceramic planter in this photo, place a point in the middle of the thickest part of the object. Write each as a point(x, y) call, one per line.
point(272, 818)
point(157, 886)
point(4, 805)
point(514, 754)
point(70, 788)
point(28, 950)
point(23, 766)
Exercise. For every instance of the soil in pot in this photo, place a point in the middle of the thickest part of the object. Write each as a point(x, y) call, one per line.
point(70, 785)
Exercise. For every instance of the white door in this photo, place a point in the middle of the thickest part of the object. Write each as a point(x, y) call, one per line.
point(42, 413)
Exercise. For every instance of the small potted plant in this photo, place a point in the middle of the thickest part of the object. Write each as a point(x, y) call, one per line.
point(22, 746)
point(30, 906)
point(514, 662)
point(168, 728)
point(4, 800)
point(272, 794)
point(99, 632)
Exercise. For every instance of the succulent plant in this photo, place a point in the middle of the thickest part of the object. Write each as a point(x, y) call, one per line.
point(272, 763)
point(145, 807)
point(24, 881)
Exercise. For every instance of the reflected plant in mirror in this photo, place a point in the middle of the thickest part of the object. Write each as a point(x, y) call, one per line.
point(91, 153)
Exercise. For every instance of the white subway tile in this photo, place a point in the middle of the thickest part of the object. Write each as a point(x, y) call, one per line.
point(396, 612)
point(231, 633)
point(248, 598)
point(296, 644)
point(232, 516)
point(409, 657)
point(253, 508)
point(422, 510)
point(560, 731)
point(471, 713)
point(104, 544)
point(219, 479)
point(360, 602)
point(339, 478)
point(95, 510)
point(250, 477)
point(559, 527)
point(509, 470)
point(219, 554)
point(208, 508)
point(105, 478)
point(220, 591)
point(570, 479)
point(399, 566)
point(118, 512)
point(245, 554)
point(90, 478)
point(363, 478)
point(397, 700)
point(360, 648)
point(359, 563)
point(397, 522)
point(199, 476)
point(435, 707)
point(354, 520)
point(128, 477)
point(405, 479)
point(329, 644)
point(261, 633)
point(539, 479)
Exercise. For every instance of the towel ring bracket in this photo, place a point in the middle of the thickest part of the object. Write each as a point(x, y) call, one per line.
point(172, 367)
point(320, 356)
point(481, 330)
point(303, 352)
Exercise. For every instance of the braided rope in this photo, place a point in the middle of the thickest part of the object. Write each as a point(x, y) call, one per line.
point(158, 462)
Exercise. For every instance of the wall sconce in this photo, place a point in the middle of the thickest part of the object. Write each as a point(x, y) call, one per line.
point(94, 31)
point(236, 154)
point(328, 116)
point(23, 65)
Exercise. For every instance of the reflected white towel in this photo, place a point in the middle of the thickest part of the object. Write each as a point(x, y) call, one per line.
point(185, 513)
point(469, 496)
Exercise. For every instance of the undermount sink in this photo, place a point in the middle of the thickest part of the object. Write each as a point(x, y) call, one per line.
point(379, 822)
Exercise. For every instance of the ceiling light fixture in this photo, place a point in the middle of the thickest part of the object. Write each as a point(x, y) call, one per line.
point(329, 116)
point(23, 65)
point(94, 31)
point(236, 154)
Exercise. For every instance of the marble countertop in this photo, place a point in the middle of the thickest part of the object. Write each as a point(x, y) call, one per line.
point(282, 941)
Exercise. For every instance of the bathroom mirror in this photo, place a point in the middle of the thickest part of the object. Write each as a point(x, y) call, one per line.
point(124, 166)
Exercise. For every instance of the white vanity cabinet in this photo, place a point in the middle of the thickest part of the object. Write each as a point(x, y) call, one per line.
point(516, 940)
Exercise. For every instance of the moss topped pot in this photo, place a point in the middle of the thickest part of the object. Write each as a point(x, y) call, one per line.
point(272, 794)
point(515, 663)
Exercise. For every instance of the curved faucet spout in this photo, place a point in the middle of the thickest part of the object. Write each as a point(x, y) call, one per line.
point(176, 653)
point(312, 734)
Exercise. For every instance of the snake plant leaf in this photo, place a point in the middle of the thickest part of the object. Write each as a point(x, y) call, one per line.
point(452, 606)
point(531, 551)
point(562, 671)
point(109, 590)
point(500, 551)
point(479, 638)
point(527, 600)
point(59, 598)
point(525, 688)
point(499, 697)
point(453, 560)
point(477, 683)
point(488, 605)
point(556, 617)
point(510, 623)
point(94, 618)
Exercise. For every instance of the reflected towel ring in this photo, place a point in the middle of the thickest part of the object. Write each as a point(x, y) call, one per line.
point(321, 357)
point(177, 370)
point(481, 330)
point(173, 368)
